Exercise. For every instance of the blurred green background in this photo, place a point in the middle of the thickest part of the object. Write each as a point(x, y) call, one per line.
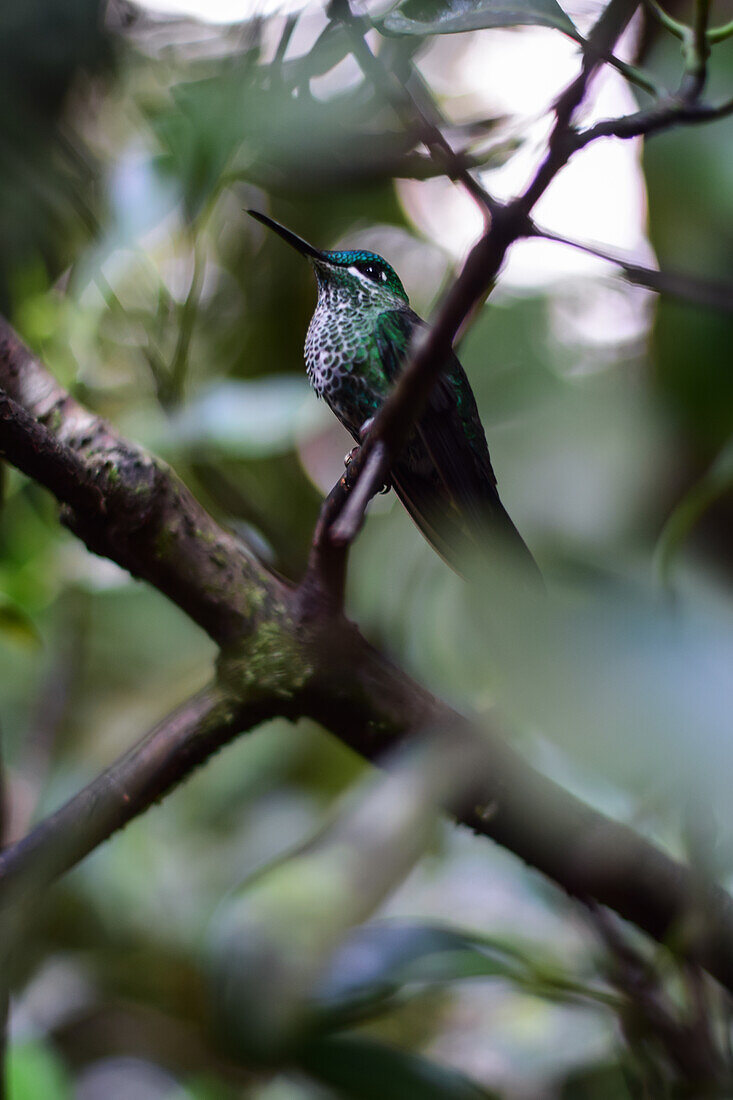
point(131, 145)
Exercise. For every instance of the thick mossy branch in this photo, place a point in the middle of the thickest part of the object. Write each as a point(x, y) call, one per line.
point(138, 513)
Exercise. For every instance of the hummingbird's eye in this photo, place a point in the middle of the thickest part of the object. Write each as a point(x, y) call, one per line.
point(373, 271)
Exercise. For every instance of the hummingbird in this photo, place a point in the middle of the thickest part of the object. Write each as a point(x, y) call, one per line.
point(356, 346)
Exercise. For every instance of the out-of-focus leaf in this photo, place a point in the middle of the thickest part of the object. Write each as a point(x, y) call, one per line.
point(198, 136)
point(361, 1069)
point(33, 1071)
point(273, 940)
point(46, 186)
point(16, 626)
point(332, 46)
point(238, 126)
point(453, 16)
point(378, 958)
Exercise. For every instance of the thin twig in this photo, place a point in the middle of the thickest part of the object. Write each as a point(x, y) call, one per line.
point(635, 75)
point(282, 46)
point(719, 34)
point(602, 39)
point(688, 288)
point(671, 112)
point(700, 47)
point(321, 591)
point(372, 473)
point(665, 19)
point(682, 108)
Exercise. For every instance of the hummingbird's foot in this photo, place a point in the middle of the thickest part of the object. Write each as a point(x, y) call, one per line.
point(349, 458)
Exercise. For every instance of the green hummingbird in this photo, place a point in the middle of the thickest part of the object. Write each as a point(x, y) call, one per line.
point(356, 346)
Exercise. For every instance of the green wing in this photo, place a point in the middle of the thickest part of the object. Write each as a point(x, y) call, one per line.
point(444, 477)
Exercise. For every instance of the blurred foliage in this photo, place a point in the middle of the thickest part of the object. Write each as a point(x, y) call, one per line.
point(33, 1070)
point(131, 149)
point(48, 50)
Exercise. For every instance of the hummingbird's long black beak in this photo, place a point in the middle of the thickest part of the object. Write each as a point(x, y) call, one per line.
point(292, 239)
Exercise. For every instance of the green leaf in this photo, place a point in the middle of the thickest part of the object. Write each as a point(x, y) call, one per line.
point(453, 16)
point(361, 1069)
point(32, 1071)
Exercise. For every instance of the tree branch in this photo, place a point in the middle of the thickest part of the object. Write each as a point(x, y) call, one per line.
point(124, 504)
point(684, 106)
point(31, 448)
point(675, 284)
point(323, 668)
point(699, 48)
point(151, 769)
point(672, 111)
point(321, 591)
point(601, 41)
point(665, 19)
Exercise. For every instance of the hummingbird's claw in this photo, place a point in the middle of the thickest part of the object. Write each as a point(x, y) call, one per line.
point(385, 488)
point(349, 458)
